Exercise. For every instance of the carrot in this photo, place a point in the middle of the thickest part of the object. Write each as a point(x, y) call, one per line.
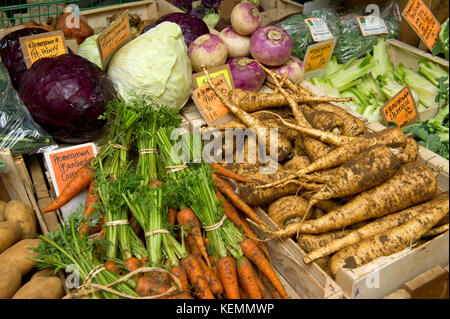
point(186, 217)
point(269, 286)
point(197, 277)
point(255, 255)
point(265, 293)
point(414, 183)
point(251, 101)
point(234, 217)
point(172, 213)
point(214, 283)
point(247, 278)
point(132, 264)
point(242, 294)
point(389, 242)
point(179, 272)
point(113, 267)
point(378, 226)
point(220, 170)
point(79, 182)
point(181, 295)
point(144, 261)
point(152, 284)
point(240, 223)
point(228, 191)
point(89, 209)
point(226, 268)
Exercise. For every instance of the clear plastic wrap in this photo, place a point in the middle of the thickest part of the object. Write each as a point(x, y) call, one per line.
point(352, 43)
point(301, 36)
point(18, 131)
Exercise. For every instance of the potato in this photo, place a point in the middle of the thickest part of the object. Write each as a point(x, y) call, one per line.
point(286, 208)
point(2, 210)
point(297, 163)
point(10, 279)
point(10, 233)
point(22, 214)
point(19, 255)
point(41, 288)
point(46, 272)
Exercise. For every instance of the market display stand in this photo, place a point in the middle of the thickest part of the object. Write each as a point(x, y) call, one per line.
point(432, 284)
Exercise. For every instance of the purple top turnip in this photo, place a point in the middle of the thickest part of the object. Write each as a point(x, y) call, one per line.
point(238, 45)
point(207, 50)
point(245, 18)
point(295, 68)
point(247, 74)
point(271, 45)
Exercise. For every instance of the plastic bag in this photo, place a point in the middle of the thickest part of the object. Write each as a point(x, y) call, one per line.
point(18, 131)
point(352, 43)
point(301, 36)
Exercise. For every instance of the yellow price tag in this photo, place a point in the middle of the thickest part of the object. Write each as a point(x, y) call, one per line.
point(318, 55)
point(44, 45)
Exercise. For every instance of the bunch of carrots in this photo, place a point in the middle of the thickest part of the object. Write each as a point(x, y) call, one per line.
point(181, 222)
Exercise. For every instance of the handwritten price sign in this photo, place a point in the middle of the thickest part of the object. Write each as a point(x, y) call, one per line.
point(64, 163)
point(422, 20)
point(46, 45)
point(317, 57)
point(400, 109)
point(116, 35)
point(212, 110)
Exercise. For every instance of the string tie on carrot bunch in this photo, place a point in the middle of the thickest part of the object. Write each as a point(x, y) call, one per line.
point(216, 225)
point(83, 291)
point(158, 231)
point(117, 222)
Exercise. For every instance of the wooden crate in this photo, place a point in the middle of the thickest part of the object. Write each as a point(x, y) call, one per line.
point(410, 56)
point(308, 281)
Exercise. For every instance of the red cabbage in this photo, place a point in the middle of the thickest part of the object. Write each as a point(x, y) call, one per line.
point(185, 5)
point(192, 27)
point(11, 54)
point(66, 95)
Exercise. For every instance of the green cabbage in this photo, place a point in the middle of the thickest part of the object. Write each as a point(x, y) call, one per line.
point(89, 50)
point(154, 64)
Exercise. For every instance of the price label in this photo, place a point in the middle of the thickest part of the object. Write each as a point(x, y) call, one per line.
point(371, 25)
point(317, 57)
point(422, 20)
point(116, 35)
point(210, 107)
point(400, 109)
point(318, 29)
point(199, 79)
point(64, 163)
point(44, 45)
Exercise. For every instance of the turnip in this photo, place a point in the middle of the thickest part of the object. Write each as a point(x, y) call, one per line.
point(271, 45)
point(238, 45)
point(245, 18)
point(247, 74)
point(293, 67)
point(207, 50)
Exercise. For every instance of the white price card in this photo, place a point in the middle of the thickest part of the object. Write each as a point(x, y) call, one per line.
point(318, 29)
point(371, 25)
